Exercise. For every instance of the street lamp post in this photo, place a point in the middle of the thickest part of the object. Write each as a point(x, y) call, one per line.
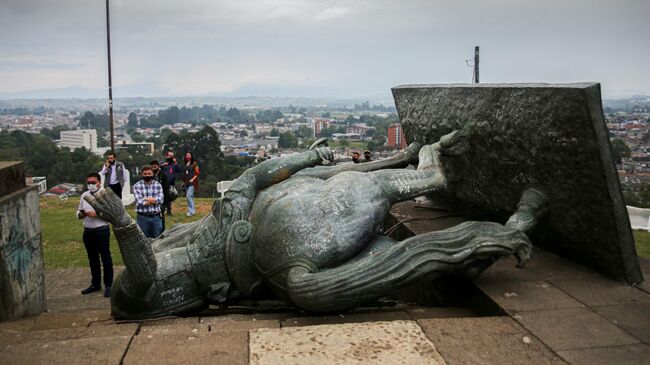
point(110, 81)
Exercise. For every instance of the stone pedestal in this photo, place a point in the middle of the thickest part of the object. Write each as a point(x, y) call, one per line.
point(551, 137)
point(22, 285)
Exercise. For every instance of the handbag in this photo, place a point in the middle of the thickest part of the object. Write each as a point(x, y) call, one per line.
point(173, 193)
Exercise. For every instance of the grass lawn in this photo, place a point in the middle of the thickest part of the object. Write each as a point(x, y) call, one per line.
point(62, 244)
point(642, 239)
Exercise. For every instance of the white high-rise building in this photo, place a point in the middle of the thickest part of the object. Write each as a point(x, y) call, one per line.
point(79, 138)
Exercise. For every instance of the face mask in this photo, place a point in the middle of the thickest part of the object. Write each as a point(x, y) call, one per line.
point(147, 178)
point(111, 162)
point(170, 159)
point(92, 188)
point(188, 158)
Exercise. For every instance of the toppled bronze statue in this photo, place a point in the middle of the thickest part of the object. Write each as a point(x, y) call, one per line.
point(311, 236)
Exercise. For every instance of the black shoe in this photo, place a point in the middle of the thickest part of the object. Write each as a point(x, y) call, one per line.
point(107, 291)
point(90, 289)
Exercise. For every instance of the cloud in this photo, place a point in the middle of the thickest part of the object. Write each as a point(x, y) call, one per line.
point(357, 47)
point(332, 13)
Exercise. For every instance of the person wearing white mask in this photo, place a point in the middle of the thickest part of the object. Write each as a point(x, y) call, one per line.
point(96, 238)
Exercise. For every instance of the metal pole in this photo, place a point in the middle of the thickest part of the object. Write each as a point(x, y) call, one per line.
point(110, 80)
point(475, 64)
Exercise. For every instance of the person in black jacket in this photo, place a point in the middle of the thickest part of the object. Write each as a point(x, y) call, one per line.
point(170, 169)
point(159, 176)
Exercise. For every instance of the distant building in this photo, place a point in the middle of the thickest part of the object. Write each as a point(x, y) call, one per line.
point(145, 148)
point(361, 129)
point(39, 181)
point(318, 124)
point(65, 190)
point(348, 136)
point(396, 137)
point(79, 138)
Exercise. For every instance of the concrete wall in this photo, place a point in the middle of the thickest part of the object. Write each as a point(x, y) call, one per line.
point(22, 284)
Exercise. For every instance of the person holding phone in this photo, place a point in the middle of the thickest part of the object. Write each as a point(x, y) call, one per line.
point(96, 238)
point(113, 172)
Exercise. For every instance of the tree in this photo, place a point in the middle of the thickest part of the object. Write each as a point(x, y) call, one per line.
point(55, 132)
point(287, 140)
point(619, 150)
point(204, 146)
point(275, 132)
point(304, 132)
point(132, 121)
point(92, 121)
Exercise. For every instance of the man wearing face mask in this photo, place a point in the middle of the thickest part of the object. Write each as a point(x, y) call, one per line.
point(148, 200)
point(113, 172)
point(96, 238)
point(162, 179)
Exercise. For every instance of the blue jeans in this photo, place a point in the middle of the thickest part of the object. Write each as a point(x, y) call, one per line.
point(190, 199)
point(150, 226)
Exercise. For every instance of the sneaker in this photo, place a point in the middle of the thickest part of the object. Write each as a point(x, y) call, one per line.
point(189, 214)
point(107, 291)
point(90, 289)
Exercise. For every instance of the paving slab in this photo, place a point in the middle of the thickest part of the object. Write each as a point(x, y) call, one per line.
point(189, 329)
point(619, 355)
point(346, 318)
point(223, 347)
point(440, 312)
point(566, 329)
point(601, 291)
point(50, 320)
point(633, 318)
point(8, 337)
point(547, 265)
point(487, 340)
point(105, 350)
point(229, 324)
point(516, 296)
point(77, 302)
point(24, 324)
point(505, 270)
point(396, 342)
point(252, 316)
point(170, 320)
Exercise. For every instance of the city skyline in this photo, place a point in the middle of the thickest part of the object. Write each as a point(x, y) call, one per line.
point(340, 49)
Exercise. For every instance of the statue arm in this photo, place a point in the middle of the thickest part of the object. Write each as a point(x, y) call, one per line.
point(276, 170)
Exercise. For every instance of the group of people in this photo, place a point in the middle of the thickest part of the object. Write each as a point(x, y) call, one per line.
point(154, 194)
point(356, 158)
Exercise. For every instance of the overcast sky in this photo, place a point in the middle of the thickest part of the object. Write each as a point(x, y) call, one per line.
point(328, 48)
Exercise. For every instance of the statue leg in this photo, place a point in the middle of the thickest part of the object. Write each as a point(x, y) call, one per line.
point(420, 258)
point(404, 158)
point(404, 184)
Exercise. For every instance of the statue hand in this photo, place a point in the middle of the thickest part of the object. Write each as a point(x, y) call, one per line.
point(325, 153)
point(455, 143)
point(109, 207)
